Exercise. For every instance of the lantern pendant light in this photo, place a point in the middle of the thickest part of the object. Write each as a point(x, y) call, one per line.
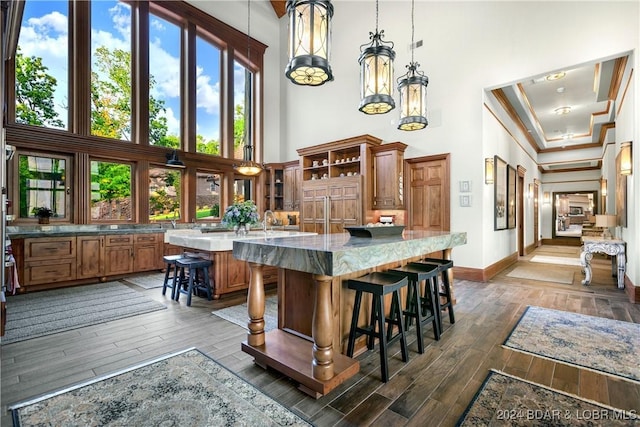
point(309, 41)
point(413, 92)
point(376, 74)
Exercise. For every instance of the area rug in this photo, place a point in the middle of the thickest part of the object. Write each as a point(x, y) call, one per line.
point(574, 250)
point(603, 345)
point(540, 273)
point(504, 400)
point(238, 314)
point(43, 313)
point(555, 260)
point(146, 281)
point(182, 389)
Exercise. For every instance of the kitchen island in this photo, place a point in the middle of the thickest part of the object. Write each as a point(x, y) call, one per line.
point(314, 305)
point(228, 274)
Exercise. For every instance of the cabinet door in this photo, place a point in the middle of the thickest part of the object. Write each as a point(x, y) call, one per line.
point(90, 257)
point(313, 210)
point(147, 252)
point(118, 260)
point(387, 180)
point(52, 248)
point(50, 271)
point(291, 189)
point(345, 206)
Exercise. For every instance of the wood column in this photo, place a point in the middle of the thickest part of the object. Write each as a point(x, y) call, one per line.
point(255, 305)
point(322, 329)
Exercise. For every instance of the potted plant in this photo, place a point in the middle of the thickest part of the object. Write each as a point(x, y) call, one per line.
point(43, 213)
point(241, 215)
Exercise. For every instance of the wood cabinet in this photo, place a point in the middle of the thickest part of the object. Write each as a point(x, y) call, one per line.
point(90, 257)
point(49, 260)
point(274, 186)
point(388, 179)
point(292, 191)
point(118, 254)
point(314, 206)
point(147, 251)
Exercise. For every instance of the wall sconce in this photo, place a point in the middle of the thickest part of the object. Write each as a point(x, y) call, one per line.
point(546, 198)
point(626, 160)
point(531, 191)
point(603, 186)
point(488, 170)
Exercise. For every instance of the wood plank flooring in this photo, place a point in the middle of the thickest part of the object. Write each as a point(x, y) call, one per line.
point(432, 389)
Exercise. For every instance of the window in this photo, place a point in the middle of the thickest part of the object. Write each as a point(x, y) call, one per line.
point(111, 69)
point(242, 189)
point(43, 183)
point(164, 83)
point(207, 196)
point(42, 64)
point(207, 97)
point(242, 95)
point(111, 191)
point(164, 194)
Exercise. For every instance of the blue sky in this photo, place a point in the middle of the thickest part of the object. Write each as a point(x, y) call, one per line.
point(45, 34)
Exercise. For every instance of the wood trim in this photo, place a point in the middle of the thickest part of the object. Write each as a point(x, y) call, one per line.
point(339, 144)
point(279, 7)
point(504, 102)
point(632, 291)
point(530, 248)
point(483, 275)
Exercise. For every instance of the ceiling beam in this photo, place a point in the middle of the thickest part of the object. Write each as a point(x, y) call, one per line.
point(279, 7)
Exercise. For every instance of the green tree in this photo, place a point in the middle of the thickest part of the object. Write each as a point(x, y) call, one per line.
point(34, 93)
point(115, 181)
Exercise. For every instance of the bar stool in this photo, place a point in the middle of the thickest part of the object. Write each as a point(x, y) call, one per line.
point(445, 300)
point(171, 274)
point(195, 267)
point(421, 307)
point(379, 284)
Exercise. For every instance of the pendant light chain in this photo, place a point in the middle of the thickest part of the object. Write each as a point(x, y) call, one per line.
point(376, 16)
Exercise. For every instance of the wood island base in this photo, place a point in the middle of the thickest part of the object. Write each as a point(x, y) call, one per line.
point(290, 355)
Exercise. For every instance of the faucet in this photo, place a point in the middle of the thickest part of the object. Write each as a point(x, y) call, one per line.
point(268, 213)
point(173, 223)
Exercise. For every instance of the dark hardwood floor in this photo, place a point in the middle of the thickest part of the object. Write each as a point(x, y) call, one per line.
point(432, 389)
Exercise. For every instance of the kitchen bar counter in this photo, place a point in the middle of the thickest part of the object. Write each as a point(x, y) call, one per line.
point(314, 358)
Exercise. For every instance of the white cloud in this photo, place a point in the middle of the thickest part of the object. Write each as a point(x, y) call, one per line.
point(165, 69)
point(51, 22)
point(207, 94)
point(173, 123)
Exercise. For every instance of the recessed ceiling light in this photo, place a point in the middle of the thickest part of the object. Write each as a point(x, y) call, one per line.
point(567, 136)
point(556, 76)
point(562, 110)
point(560, 89)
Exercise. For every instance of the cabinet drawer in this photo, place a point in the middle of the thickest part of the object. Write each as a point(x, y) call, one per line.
point(118, 239)
point(147, 238)
point(53, 271)
point(49, 248)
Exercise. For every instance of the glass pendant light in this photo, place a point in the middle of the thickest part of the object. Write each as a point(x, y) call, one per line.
point(309, 33)
point(413, 91)
point(248, 166)
point(376, 74)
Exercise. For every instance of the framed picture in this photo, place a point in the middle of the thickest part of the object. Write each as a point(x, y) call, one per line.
point(511, 197)
point(575, 210)
point(500, 193)
point(465, 186)
point(465, 201)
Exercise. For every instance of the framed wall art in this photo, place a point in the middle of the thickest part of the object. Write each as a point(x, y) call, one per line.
point(511, 196)
point(500, 193)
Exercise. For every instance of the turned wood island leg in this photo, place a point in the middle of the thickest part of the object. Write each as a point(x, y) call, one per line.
point(322, 329)
point(447, 256)
point(255, 305)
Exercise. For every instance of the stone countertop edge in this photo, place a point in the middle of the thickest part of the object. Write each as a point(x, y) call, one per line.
point(69, 231)
point(338, 254)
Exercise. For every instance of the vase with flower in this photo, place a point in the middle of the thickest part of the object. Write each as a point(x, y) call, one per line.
point(240, 216)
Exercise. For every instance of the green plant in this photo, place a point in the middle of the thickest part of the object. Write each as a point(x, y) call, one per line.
point(241, 213)
point(42, 212)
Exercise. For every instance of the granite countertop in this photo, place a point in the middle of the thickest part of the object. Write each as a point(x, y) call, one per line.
point(216, 242)
point(338, 254)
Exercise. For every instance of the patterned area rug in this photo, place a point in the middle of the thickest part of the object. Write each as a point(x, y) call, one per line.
point(604, 345)
point(38, 314)
point(184, 389)
point(555, 260)
point(546, 275)
point(504, 400)
point(238, 314)
point(147, 281)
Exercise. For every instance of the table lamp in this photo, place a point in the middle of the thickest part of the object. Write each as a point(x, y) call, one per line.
point(606, 221)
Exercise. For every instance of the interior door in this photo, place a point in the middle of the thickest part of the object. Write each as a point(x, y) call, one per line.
point(429, 193)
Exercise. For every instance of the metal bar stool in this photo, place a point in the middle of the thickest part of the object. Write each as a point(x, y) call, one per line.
point(379, 284)
point(444, 293)
point(171, 274)
point(423, 307)
point(195, 267)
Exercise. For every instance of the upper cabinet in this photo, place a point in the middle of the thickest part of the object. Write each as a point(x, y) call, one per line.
point(292, 189)
point(387, 180)
point(274, 186)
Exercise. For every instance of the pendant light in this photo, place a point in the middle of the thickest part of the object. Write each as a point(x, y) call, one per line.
point(248, 166)
point(413, 91)
point(376, 74)
point(309, 33)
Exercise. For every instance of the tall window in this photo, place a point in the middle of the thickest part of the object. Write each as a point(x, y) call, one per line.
point(43, 183)
point(164, 83)
point(242, 94)
point(207, 97)
point(164, 194)
point(111, 69)
point(207, 196)
point(42, 65)
point(111, 191)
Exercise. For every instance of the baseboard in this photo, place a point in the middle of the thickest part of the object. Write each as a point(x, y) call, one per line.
point(633, 291)
point(563, 241)
point(482, 275)
point(532, 247)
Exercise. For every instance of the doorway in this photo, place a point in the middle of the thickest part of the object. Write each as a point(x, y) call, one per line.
point(571, 210)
